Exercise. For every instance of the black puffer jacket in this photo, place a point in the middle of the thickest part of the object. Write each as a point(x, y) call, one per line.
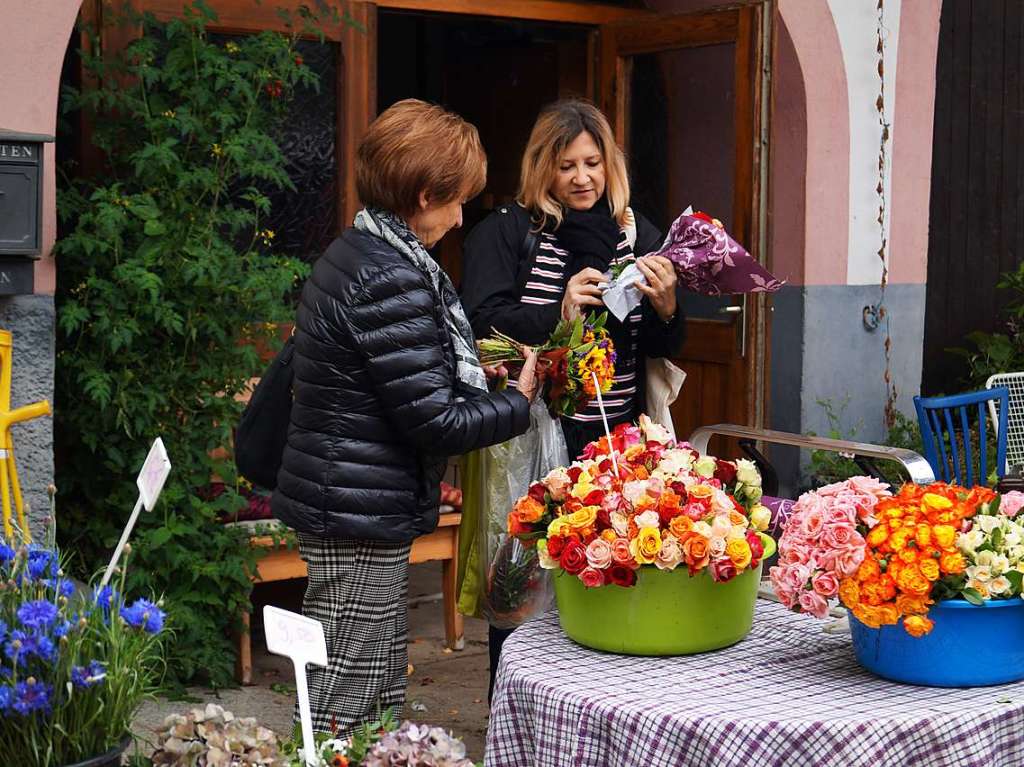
point(375, 413)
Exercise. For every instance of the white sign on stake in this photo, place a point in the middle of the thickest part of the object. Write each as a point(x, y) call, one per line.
point(301, 639)
point(150, 482)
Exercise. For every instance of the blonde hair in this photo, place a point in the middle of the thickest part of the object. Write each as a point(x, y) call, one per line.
point(415, 147)
point(557, 126)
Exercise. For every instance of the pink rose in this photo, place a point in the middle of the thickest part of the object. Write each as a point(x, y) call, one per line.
point(826, 584)
point(611, 501)
point(621, 554)
point(591, 577)
point(695, 511)
point(811, 523)
point(841, 511)
point(839, 535)
point(870, 486)
point(848, 560)
point(797, 576)
point(599, 554)
point(814, 603)
point(795, 555)
point(722, 569)
point(1011, 503)
point(780, 586)
point(558, 483)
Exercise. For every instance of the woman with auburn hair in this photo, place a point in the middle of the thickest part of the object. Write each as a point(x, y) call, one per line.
point(528, 265)
point(387, 385)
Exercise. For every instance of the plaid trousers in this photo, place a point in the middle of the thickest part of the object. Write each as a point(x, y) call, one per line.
point(358, 590)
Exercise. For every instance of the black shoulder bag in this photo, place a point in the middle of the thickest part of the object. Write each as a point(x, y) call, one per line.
point(263, 429)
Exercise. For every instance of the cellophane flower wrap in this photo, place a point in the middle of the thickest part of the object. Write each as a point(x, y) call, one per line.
point(74, 666)
point(576, 352)
point(888, 558)
point(667, 506)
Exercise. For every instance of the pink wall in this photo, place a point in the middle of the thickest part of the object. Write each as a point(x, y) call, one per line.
point(33, 39)
point(912, 140)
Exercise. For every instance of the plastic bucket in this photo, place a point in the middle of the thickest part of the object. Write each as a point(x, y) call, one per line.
point(969, 646)
point(665, 613)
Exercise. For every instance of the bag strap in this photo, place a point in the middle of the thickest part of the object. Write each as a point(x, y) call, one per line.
point(527, 249)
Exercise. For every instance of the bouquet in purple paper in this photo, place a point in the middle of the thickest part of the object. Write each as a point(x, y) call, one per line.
point(707, 261)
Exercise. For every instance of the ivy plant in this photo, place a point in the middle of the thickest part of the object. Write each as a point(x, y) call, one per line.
point(168, 283)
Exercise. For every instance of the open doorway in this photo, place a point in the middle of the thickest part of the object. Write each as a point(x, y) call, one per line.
point(495, 73)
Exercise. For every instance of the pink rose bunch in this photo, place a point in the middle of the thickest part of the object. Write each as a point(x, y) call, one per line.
point(820, 544)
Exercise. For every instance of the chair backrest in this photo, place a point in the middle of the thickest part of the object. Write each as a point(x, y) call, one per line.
point(1014, 382)
point(947, 425)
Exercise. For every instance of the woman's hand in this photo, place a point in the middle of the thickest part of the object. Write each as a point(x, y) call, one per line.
point(495, 374)
point(582, 290)
point(528, 383)
point(661, 285)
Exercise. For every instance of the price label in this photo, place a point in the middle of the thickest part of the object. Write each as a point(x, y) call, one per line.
point(153, 475)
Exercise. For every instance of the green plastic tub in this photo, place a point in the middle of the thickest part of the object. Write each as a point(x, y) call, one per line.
point(665, 613)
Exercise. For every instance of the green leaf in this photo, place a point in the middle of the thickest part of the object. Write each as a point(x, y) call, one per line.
point(154, 228)
point(973, 596)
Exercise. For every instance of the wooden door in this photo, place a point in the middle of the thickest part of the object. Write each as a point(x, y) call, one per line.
point(683, 93)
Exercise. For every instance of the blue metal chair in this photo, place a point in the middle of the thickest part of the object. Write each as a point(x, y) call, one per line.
point(947, 424)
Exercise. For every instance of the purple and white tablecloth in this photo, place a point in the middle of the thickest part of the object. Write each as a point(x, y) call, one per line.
point(789, 695)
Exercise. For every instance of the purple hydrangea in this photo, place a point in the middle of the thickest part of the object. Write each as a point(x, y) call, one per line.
point(31, 696)
point(144, 614)
point(38, 614)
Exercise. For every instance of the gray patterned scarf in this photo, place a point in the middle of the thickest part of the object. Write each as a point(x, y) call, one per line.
point(396, 233)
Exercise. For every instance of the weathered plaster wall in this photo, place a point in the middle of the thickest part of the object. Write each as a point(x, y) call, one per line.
point(33, 39)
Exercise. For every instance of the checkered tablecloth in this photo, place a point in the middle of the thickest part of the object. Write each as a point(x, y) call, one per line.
point(789, 695)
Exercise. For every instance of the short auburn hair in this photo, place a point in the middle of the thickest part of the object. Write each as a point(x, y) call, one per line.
point(415, 147)
point(557, 126)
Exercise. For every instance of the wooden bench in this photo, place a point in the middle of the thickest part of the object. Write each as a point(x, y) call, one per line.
point(283, 563)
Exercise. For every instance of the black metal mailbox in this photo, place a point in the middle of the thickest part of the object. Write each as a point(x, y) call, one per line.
point(21, 208)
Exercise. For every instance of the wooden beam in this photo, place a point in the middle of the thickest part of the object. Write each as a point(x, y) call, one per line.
point(235, 17)
point(528, 10)
point(359, 98)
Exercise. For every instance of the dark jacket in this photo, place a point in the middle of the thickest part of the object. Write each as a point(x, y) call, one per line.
point(494, 270)
point(375, 413)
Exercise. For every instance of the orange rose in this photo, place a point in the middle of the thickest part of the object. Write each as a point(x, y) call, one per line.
point(929, 568)
point(609, 535)
point(907, 556)
point(944, 535)
point(849, 592)
point(913, 582)
point(952, 563)
point(923, 536)
point(695, 551)
point(872, 592)
point(917, 625)
point(680, 526)
point(878, 535)
point(900, 538)
point(737, 518)
point(700, 492)
point(908, 605)
point(528, 509)
point(641, 472)
point(867, 615)
point(868, 570)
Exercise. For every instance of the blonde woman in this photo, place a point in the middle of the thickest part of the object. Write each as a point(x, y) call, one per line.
point(534, 262)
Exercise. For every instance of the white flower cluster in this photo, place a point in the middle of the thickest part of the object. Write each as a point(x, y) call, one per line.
point(417, 745)
point(994, 551)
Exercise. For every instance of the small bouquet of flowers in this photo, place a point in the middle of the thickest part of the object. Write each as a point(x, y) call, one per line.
point(576, 352)
point(888, 557)
point(639, 498)
point(706, 258)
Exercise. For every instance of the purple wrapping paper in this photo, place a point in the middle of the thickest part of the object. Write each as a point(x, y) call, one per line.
point(710, 262)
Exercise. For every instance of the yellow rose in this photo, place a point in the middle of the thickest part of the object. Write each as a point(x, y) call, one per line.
point(931, 501)
point(943, 535)
point(738, 550)
point(646, 545)
point(585, 517)
point(760, 518)
point(929, 568)
point(917, 625)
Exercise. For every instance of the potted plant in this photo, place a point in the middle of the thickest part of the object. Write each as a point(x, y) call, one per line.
point(657, 549)
point(929, 575)
point(74, 664)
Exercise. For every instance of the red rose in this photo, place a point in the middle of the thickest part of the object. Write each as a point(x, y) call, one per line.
point(573, 558)
point(756, 547)
point(571, 505)
point(725, 472)
point(537, 492)
point(604, 519)
point(722, 569)
point(574, 474)
point(594, 498)
point(555, 545)
point(621, 575)
point(592, 577)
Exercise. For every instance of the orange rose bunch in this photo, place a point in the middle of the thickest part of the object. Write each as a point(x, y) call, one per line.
point(911, 548)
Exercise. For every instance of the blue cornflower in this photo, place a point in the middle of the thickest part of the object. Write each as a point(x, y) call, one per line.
point(144, 614)
point(15, 646)
point(87, 676)
point(7, 554)
point(32, 696)
point(64, 588)
point(106, 597)
point(41, 563)
point(3, 632)
point(41, 646)
point(38, 614)
point(61, 629)
point(6, 694)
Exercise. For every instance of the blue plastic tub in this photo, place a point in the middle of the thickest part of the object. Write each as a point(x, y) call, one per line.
point(970, 646)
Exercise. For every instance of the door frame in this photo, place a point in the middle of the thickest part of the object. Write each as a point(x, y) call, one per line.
point(750, 21)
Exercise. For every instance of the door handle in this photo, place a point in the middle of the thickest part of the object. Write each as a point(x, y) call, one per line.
point(740, 312)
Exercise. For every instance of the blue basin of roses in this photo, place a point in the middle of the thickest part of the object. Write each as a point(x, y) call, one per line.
point(969, 646)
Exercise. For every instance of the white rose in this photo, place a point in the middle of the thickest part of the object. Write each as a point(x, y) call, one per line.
point(980, 573)
point(546, 560)
point(999, 585)
point(760, 518)
point(649, 518)
point(620, 523)
point(720, 502)
point(635, 490)
point(705, 466)
point(702, 528)
point(987, 524)
point(721, 525)
point(747, 473)
point(969, 541)
point(736, 533)
point(675, 462)
point(654, 431)
point(1000, 564)
point(716, 546)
